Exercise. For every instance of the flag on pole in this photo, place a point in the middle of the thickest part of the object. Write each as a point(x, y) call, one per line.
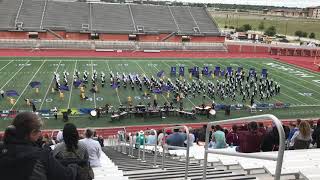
point(34, 84)
point(12, 93)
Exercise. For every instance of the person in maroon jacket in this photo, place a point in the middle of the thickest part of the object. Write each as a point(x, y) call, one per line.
point(250, 141)
point(233, 137)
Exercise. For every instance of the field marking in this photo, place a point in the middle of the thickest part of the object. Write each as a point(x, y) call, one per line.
point(45, 96)
point(295, 67)
point(107, 62)
point(186, 96)
point(148, 73)
point(94, 94)
point(272, 69)
point(74, 72)
point(27, 85)
point(14, 75)
point(257, 65)
point(6, 65)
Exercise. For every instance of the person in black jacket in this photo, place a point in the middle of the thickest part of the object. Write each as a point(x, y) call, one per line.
point(316, 134)
point(21, 159)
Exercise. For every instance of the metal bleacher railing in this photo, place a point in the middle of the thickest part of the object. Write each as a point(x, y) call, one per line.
point(166, 146)
point(155, 147)
point(278, 158)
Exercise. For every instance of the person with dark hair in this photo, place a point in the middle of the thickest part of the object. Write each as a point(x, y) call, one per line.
point(176, 139)
point(270, 141)
point(316, 134)
point(93, 147)
point(20, 159)
point(72, 151)
point(250, 141)
point(232, 137)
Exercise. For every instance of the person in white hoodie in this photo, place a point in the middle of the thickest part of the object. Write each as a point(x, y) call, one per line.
point(93, 147)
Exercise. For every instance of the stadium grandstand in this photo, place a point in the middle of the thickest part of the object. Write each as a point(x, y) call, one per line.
point(97, 91)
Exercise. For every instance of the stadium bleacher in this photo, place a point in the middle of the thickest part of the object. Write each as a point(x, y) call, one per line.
point(8, 12)
point(109, 18)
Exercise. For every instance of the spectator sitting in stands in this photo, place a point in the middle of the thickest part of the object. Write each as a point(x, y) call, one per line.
point(218, 138)
point(270, 141)
point(21, 160)
point(262, 129)
point(293, 128)
point(151, 138)
point(93, 147)
point(301, 139)
point(72, 151)
point(191, 138)
point(232, 137)
point(316, 134)
point(176, 139)
point(250, 141)
point(1, 139)
point(202, 134)
point(160, 137)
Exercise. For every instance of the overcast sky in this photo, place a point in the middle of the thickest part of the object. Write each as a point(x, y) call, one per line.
point(287, 3)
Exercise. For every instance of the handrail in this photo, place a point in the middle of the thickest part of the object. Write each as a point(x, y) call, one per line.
point(165, 146)
point(122, 147)
point(155, 146)
point(278, 158)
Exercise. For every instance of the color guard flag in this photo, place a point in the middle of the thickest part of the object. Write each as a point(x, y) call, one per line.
point(12, 93)
point(35, 84)
point(64, 88)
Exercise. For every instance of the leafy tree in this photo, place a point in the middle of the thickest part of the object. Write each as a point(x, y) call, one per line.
point(298, 33)
point(231, 27)
point(312, 35)
point(261, 26)
point(304, 34)
point(271, 31)
point(247, 27)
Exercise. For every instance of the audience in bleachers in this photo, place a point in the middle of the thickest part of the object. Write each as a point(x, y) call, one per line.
point(233, 137)
point(301, 139)
point(73, 151)
point(218, 138)
point(316, 135)
point(93, 147)
point(191, 138)
point(151, 138)
point(176, 139)
point(250, 141)
point(21, 159)
point(160, 137)
point(271, 140)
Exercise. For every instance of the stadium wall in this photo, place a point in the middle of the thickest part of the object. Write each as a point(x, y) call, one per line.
point(114, 37)
point(216, 39)
point(13, 35)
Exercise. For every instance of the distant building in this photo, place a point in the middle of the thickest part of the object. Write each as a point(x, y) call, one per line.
point(314, 12)
point(287, 12)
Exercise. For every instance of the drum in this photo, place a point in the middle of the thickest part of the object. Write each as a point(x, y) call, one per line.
point(212, 112)
point(93, 113)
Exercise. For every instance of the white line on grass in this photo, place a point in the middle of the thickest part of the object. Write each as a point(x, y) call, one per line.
point(74, 72)
point(6, 65)
point(94, 94)
point(107, 62)
point(146, 73)
point(27, 85)
point(14, 75)
point(45, 96)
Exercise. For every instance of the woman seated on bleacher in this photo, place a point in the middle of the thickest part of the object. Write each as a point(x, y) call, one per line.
point(301, 139)
point(218, 138)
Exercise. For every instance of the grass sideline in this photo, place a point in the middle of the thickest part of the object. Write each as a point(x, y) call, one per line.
point(299, 91)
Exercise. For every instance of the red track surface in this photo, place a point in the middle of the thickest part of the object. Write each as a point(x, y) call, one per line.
point(304, 62)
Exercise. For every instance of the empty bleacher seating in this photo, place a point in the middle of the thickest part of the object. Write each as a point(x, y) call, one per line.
point(31, 14)
point(8, 12)
point(66, 16)
point(184, 19)
point(203, 21)
point(111, 18)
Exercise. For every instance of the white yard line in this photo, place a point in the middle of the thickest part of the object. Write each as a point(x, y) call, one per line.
point(74, 72)
point(14, 75)
point(27, 85)
point(116, 90)
point(6, 65)
point(94, 94)
point(45, 96)
point(146, 74)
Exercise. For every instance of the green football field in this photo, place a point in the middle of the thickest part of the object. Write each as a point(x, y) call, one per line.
point(299, 87)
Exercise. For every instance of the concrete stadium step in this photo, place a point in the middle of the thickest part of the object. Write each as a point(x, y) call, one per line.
point(164, 172)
